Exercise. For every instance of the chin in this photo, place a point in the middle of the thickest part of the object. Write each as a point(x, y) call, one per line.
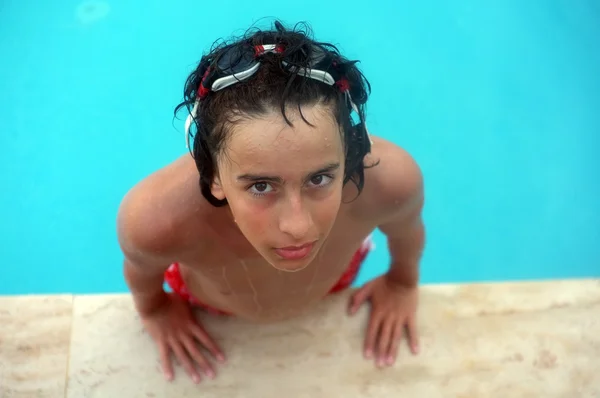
point(290, 265)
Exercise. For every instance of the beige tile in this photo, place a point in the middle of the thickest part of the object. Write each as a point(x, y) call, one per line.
point(506, 298)
point(478, 341)
point(34, 345)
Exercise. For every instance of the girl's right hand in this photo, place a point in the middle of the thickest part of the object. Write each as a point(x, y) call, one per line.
point(174, 329)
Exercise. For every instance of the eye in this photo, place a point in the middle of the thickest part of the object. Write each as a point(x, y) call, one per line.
point(260, 188)
point(320, 180)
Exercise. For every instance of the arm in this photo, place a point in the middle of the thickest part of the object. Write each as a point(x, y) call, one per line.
point(402, 197)
point(149, 240)
point(405, 235)
point(146, 259)
point(396, 195)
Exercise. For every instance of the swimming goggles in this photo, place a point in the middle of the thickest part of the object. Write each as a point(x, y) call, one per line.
point(240, 62)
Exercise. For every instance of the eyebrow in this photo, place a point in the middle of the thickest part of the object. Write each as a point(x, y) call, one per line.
point(259, 177)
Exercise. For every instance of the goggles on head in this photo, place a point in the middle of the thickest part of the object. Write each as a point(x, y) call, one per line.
point(239, 63)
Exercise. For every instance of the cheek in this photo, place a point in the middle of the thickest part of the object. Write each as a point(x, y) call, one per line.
point(254, 221)
point(325, 211)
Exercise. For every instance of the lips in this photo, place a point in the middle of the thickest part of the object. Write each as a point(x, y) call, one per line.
point(295, 252)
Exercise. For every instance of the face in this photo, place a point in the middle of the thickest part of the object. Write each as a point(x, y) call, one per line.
point(284, 184)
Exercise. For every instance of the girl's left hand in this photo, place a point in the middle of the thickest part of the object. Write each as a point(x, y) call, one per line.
point(393, 308)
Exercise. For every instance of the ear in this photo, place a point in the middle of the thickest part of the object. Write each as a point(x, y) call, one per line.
point(217, 189)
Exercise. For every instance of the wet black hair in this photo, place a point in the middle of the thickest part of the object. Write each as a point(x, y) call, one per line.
point(274, 87)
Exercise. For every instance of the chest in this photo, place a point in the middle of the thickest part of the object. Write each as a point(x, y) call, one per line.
point(229, 274)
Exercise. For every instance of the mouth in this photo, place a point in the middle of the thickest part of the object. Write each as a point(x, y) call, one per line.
point(295, 252)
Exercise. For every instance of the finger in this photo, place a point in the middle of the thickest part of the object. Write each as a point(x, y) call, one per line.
point(413, 335)
point(371, 338)
point(396, 337)
point(207, 341)
point(194, 352)
point(184, 360)
point(165, 360)
point(359, 298)
point(385, 337)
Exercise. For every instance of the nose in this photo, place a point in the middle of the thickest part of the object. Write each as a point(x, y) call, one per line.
point(295, 219)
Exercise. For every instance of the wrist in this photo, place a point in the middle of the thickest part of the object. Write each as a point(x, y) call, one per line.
point(148, 303)
point(402, 275)
point(146, 287)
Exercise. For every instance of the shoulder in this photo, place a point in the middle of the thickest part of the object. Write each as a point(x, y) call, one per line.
point(157, 214)
point(393, 180)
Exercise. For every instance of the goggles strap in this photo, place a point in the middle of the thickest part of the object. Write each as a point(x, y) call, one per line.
point(343, 85)
point(188, 123)
point(193, 113)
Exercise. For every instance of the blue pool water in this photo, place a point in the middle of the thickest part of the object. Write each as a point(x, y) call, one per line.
point(499, 103)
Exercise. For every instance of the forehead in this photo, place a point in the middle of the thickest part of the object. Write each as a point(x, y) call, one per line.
point(272, 143)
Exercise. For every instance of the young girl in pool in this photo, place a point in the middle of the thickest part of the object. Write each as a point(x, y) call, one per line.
point(274, 208)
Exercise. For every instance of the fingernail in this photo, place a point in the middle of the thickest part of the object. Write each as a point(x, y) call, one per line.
point(196, 379)
point(368, 353)
point(210, 374)
point(390, 360)
point(169, 377)
point(220, 358)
